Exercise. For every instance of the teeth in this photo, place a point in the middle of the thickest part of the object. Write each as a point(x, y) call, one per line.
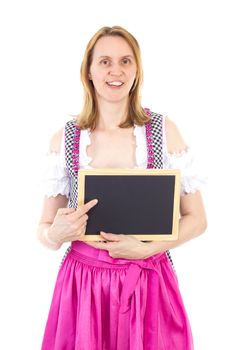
point(115, 83)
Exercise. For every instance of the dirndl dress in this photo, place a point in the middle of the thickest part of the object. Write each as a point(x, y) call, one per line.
point(105, 303)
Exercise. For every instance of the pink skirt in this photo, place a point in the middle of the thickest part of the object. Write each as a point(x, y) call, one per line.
point(103, 303)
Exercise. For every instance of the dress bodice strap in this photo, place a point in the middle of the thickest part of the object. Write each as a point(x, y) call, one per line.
point(154, 139)
point(72, 141)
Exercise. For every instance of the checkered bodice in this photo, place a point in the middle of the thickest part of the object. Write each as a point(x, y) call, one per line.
point(154, 137)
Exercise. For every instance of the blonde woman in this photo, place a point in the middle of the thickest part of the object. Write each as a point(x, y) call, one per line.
point(122, 294)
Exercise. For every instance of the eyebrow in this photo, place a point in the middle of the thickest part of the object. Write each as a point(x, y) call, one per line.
point(125, 56)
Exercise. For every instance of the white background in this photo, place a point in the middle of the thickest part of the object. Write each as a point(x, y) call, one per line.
point(186, 49)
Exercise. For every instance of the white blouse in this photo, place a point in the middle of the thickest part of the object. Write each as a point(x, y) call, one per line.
point(56, 179)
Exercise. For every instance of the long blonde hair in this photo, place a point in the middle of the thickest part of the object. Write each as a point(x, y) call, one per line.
point(89, 114)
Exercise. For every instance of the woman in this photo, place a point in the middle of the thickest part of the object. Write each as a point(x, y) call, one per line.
point(122, 294)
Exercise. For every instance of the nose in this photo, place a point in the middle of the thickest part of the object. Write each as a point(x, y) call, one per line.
point(115, 70)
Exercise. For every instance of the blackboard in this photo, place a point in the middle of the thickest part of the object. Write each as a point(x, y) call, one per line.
point(140, 202)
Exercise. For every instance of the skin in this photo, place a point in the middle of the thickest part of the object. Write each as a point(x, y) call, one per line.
point(114, 147)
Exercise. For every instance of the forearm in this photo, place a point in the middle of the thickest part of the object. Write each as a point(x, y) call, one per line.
point(43, 236)
point(189, 227)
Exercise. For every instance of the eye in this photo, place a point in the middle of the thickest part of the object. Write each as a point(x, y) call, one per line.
point(126, 61)
point(105, 62)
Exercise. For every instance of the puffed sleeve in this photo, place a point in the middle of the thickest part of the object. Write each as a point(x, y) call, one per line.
point(192, 177)
point(55, 177)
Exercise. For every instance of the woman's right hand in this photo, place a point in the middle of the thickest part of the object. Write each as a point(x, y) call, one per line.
point(70, 224)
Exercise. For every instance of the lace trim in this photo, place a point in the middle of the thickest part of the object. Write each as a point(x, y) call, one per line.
point(85, 141)
point(55, 178)
point(141, 148)
point(192, 179)
point(54, 188)
point(192, 184)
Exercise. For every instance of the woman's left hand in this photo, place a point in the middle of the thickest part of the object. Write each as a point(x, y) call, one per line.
point(123, 246)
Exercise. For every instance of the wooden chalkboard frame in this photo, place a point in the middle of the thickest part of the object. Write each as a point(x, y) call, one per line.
point(85, 175)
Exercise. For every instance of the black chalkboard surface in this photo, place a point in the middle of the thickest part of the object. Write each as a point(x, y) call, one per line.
point(140, 202)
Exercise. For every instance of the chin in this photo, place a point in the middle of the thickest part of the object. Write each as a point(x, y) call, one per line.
point(114, 99)
point(119, 100)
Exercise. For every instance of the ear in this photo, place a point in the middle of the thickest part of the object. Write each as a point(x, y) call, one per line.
point(89, 76)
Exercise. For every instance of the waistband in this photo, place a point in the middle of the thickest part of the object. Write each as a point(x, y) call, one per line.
point(85, 252)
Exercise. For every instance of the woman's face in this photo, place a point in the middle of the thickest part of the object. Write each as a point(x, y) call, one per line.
point(113, 69)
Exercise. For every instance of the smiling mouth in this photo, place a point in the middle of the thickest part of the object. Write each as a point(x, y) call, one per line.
point(115, 84)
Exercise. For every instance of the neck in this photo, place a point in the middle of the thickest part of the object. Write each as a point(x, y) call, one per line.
point(111, 114)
